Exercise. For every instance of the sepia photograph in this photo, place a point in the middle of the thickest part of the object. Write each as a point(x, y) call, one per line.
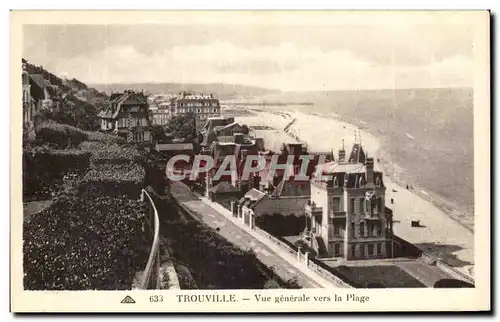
point(268, 151)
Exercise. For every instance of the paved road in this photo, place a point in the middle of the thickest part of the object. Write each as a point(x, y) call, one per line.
point(238, 236)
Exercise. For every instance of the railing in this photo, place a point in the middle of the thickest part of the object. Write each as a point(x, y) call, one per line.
point(151, 275)
point(337, 214)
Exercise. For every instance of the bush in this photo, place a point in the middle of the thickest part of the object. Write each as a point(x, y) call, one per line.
point(44, 169)
point(113, 180)
point(106, 138)
point(80, 244)
point(60, 135)
point(111, 153)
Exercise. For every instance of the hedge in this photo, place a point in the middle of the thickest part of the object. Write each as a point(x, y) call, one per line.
point(103, 137)
point(113, 180)
point(111, 153)
point(60, 135)
point(83, 244)
point(44, 169)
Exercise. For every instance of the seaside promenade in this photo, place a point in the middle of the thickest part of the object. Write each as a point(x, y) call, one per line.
point(438, 235)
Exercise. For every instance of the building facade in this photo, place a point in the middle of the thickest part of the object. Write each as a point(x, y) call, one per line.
point(28, 102)
point(160, 114)
point(127, 115)
point(201, 105)
point(346, 213)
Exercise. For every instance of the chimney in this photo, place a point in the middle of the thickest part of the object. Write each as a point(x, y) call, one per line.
point(369, 170)
point(256, 181)
point(342, 153)
point(238, 138)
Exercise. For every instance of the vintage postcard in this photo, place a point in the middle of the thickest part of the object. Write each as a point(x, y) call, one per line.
point(250, 161)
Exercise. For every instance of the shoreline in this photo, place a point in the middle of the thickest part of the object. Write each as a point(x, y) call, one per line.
point(389, 166)
point(440, 235)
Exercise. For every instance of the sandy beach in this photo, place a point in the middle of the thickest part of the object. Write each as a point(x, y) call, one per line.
point(439, 235)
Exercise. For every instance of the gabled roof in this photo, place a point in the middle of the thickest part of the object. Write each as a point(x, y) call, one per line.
point(357, 154)
point(228, 126)
point(252, 198)
point(38, 80)
point(223, 186)
point(289, 188)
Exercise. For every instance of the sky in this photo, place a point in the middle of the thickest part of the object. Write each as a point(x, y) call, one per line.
point(285, 56)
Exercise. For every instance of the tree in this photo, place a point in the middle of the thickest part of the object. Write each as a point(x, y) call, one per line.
point(182, 127)
point(158, 133)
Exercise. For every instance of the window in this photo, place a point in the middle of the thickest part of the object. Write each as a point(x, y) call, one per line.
point(336, 204)
point(377, 181)
point(362, 229)
point(336, 230)
point(362, 250)
point(353, 251)
point(336, 250)
point(215, 110)
point(199, 110)
point(361, 202)
point(353, 229)
point(378, 248)
point(351, 205)
point(370, 249)
point(367, 208)
point(335, 181)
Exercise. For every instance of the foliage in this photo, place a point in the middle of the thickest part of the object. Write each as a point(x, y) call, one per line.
point(80, 244)
point(279, 225)
point(111, 153)
point(158, 133)
point(44, 169)
point(60, 135)
point(452, 283)
point(101, 173)
point(74, 103)
point(182, 127)
point(113, 180)
point(105, 138)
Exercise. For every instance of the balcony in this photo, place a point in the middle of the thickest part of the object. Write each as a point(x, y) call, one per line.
point(313, 210)
point(372, 215)
point(337, 214)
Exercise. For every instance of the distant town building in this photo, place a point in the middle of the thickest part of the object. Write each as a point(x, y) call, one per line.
point(346, 215)
point(127, 115)
point(160, 113)
point(201, 105)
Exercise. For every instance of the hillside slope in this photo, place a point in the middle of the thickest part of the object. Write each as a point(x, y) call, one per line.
point(70, 101)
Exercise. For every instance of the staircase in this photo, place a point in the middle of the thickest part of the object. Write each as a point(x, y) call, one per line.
point(322, 250)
